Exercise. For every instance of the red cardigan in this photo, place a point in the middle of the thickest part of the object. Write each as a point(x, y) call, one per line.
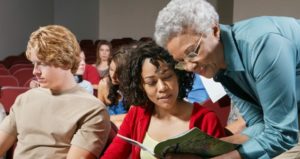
point(136, 123)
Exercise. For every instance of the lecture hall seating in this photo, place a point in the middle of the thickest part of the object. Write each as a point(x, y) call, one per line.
point(19, 66)
point(8, 95)
point(8, 80)
point(4, 71)
point(23, 75)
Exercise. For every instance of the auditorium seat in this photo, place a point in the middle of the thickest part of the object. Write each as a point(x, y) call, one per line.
point(112, 133)
point(9, 60)
point(8, 80)
point(4, 71)
point(9, 94)
point(98, 41)
point(2, 66)
point(86, 43)
point(23, 75)
point(27, 83)
point(16, 67)
point(21, 61)
point(90, 59)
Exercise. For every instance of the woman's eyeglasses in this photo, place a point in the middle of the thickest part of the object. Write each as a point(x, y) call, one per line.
point(190, 56)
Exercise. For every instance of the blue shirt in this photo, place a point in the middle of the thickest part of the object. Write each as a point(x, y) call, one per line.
point(85, 84)
point(117, 109)
point(198, 93)
point(263, 57)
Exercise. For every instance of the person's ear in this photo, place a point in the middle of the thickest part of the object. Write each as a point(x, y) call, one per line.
point(216, 31)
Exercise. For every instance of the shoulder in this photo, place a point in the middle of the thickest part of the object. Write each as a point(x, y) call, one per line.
point(201, 113)
point(134, 119)
point(137, 112)
point(254, 29)
point(31, 96)
point(200, 110)
point(206, 120)
point(35, 93)
point(104, 81)
point(81, 98)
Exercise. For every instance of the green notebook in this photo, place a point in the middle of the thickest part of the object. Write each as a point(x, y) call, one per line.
point(193, 141)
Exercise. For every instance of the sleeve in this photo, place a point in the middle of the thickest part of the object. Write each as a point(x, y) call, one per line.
point(93, 131)
point(274, 74)
point(212, 126)
point(9, 125)
point(2, 112)
point(119, 148)
point(208, 122)
point(251, 114)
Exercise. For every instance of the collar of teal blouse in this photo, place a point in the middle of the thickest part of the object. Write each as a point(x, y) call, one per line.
point(231, 53)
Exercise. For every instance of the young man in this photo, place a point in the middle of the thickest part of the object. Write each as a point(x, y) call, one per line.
point(258, 62)
point(58, 119)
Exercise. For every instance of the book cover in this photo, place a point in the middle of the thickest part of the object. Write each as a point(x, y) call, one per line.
point(193, 141)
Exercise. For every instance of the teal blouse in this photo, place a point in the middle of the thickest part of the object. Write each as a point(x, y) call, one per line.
point(263, 56)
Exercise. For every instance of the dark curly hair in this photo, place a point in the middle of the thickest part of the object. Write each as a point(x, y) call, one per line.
point(120, 57)
point(133, 91)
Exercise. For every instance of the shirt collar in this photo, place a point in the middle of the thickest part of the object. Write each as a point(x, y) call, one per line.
point(231, 53)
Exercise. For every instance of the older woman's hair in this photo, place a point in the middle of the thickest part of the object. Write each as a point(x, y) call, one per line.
point(180, 16)
point(56, 46)
point(134, 92)
point(102, 42)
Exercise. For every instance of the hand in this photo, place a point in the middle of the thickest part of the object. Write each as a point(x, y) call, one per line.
point(103, 91)
point(236, 139)
point(34, 84)
point(180, 156)
point(237, 126)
